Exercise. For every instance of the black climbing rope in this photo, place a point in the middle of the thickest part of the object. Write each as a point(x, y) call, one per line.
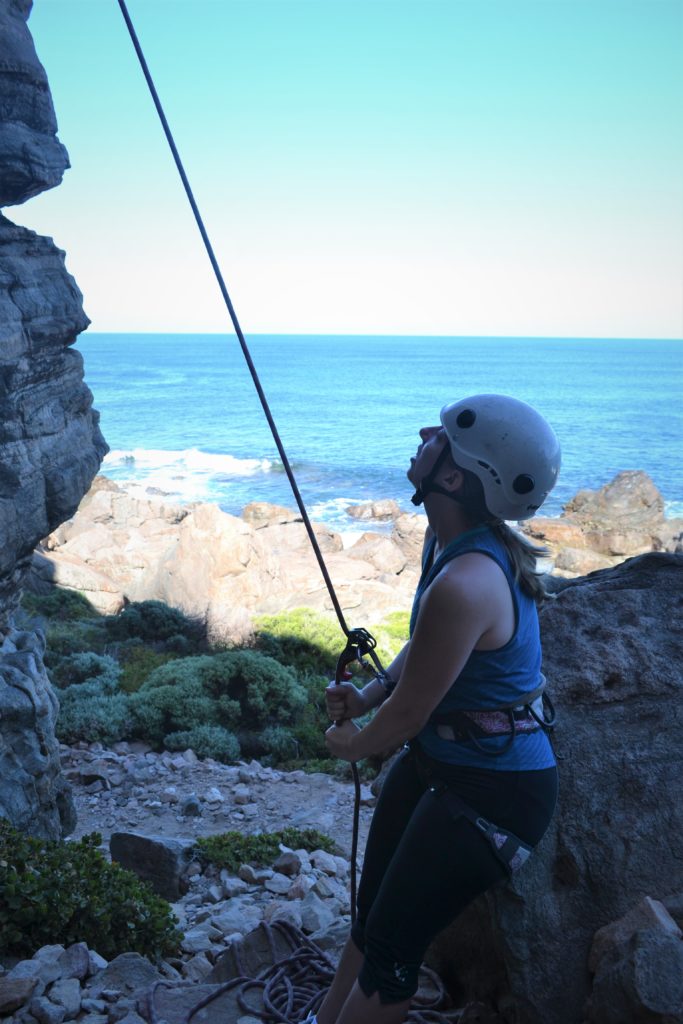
point(360, 644)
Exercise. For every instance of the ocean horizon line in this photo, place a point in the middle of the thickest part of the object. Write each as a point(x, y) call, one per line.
point(365, 334)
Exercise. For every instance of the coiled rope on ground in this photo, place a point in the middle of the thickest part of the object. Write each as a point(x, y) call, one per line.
point(295, 984)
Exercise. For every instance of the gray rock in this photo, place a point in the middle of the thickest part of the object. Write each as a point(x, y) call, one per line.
point(31, 157)
point(67, 993)
point(34, 795)
point(157, 860)
point(287, 912)
point(288, 863)
point(197, 968)
point(648, 915)
point(75, 962)
point(94, 1005)
point(237, 917)
point(640, 981)
point(128, 973)
point(258, 949)
point(15, 992)
point(200, 939)
point(254, 876)
point(191, 807)
point(96, 963)
point(315, 916)
point(278, 884)
point(324, 862)
point(232, 886)
point(46, 1012)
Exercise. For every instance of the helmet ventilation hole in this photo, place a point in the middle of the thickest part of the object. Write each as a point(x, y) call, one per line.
point(466, 418)
point(523, 484)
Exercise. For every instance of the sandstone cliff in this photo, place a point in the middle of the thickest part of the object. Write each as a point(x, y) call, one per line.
point(50, 442)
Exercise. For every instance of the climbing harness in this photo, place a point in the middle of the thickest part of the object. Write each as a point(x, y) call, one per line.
point(359, 643)
point(537, 712)
point(292, 989)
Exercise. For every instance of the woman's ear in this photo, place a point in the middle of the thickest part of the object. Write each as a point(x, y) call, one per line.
point(452, 478)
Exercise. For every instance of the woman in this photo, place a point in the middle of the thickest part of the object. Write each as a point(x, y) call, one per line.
point(475, 789)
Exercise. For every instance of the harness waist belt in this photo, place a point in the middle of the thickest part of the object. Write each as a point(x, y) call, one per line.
point(480, 724)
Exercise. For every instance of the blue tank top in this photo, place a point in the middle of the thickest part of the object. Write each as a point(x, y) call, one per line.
point(489, 678)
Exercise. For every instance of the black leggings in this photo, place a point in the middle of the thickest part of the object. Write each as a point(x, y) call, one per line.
point(423, 864)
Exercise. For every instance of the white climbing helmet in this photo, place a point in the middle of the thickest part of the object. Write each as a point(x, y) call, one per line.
point(509, 446)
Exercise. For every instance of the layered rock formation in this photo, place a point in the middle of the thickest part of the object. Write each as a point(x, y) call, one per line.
point(50, 442)
point(613, 650)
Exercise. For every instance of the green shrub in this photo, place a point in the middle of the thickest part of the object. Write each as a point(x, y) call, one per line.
point(59, 604)
point(302, 639)
point(152, 621)
point(84, 667)
point(137, 663)
point(64, 638)
point(231, 849)
point(243, 692)
point(87, 713)
point(206, 741)
point(53, 892)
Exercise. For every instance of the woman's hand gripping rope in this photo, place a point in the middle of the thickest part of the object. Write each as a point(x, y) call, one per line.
point(344, 703)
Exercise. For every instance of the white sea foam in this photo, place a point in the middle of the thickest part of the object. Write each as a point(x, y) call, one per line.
point(186, 460)
point(184, 475)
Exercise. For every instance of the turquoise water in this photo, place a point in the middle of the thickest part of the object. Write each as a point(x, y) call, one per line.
point(181, 414)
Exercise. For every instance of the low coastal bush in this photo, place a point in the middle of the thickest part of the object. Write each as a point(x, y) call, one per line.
point(59, 605)
point(231, 849)
point(138, 661)
point(306, 641)
point(245, 693)
point(86, 667)
point(55, 892)
point(207, 741)
point(149, 674)
point(153, 621)
point(86, 713)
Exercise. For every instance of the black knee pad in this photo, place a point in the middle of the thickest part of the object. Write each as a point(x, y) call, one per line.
point(386, 972)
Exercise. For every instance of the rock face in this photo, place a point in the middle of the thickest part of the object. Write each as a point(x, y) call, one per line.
point(599, 529)
point(50, 443)
point(34, 795)
point(217, 567)
point(613, 650)
point(31, 157)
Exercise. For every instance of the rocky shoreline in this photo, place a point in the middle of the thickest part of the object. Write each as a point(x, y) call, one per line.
point(224, 570)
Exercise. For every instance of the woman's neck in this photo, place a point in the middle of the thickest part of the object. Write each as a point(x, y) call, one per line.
point(447, 520)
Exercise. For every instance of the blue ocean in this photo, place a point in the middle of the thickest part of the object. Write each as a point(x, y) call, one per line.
point(181, 414)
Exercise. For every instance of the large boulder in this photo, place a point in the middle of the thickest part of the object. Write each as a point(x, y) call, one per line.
point(613, 650)
point(601, 528)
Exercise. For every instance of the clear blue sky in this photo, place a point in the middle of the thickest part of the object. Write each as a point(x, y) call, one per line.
point(507, 167)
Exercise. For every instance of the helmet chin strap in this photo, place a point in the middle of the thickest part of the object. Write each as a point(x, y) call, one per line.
point(427, 484)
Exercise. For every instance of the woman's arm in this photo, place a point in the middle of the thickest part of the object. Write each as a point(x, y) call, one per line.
point(454, 613)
